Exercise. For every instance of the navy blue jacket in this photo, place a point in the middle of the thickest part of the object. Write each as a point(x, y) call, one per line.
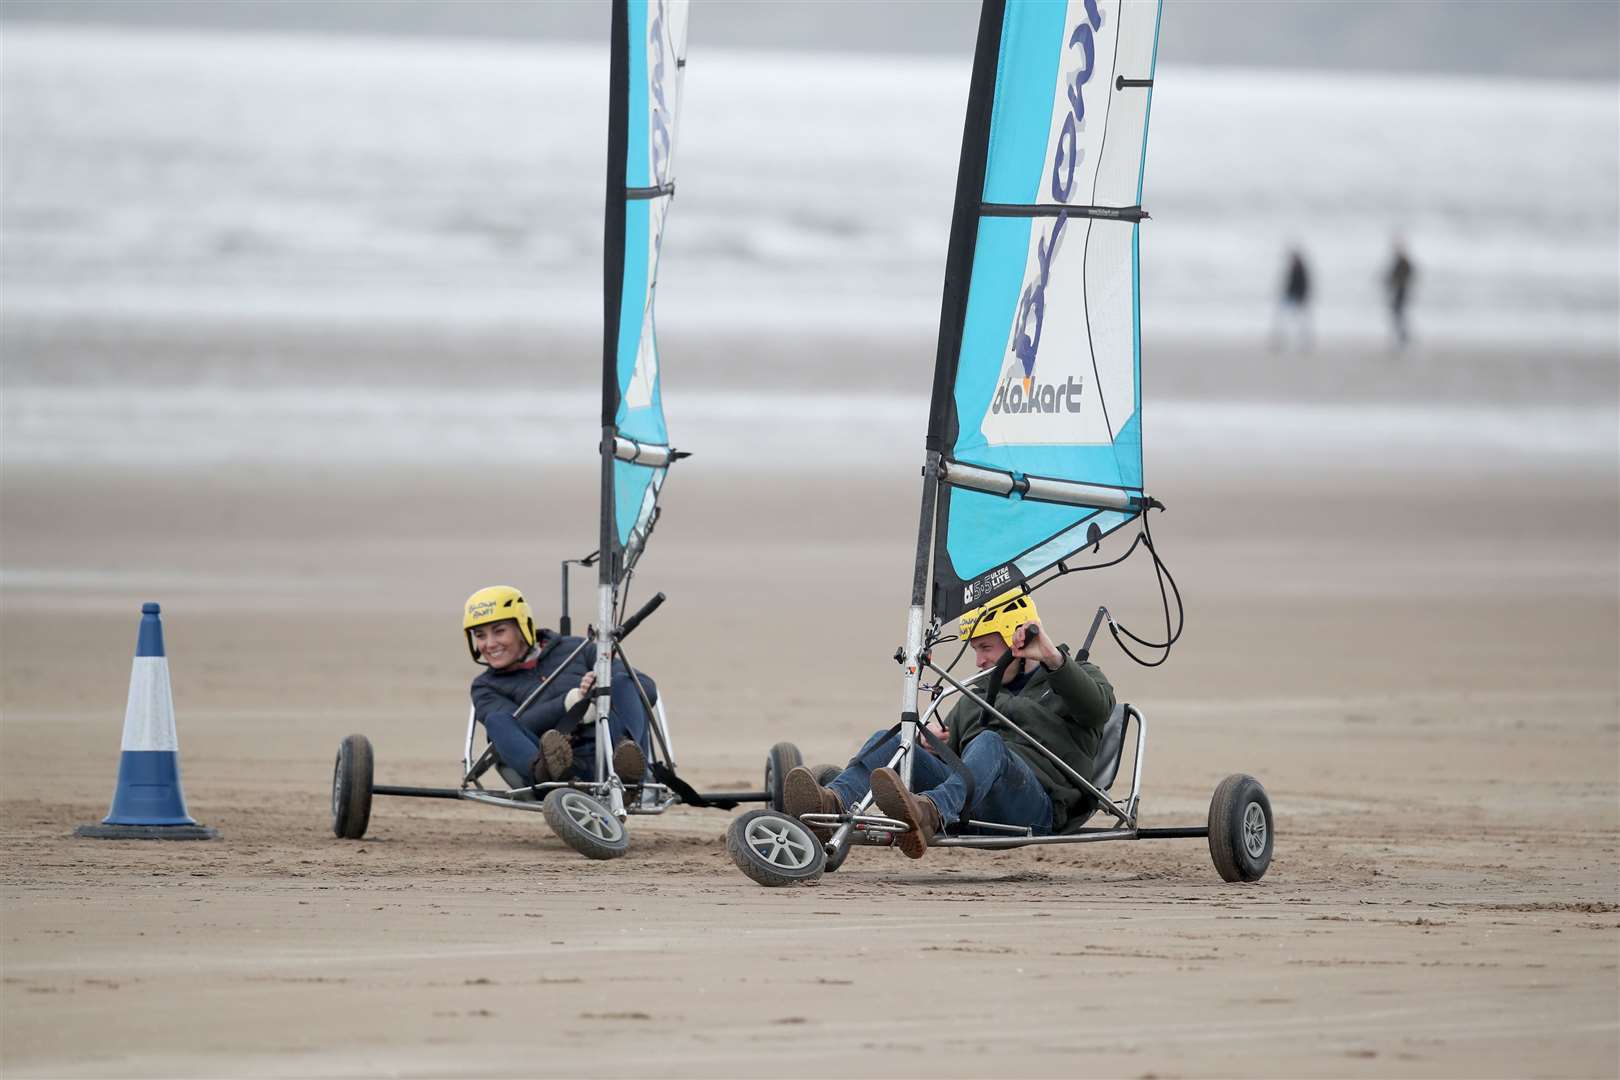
point(503, 691)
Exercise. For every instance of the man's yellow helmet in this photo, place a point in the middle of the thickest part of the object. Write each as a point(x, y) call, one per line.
point(1002, 615)
point(494, 604)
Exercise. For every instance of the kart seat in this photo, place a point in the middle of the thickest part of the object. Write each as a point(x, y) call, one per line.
point(514, 780)
point(1105, 766)
point(1110, 750)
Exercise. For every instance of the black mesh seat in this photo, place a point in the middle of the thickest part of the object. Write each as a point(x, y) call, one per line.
point(1111, 750)
point(1105, 766)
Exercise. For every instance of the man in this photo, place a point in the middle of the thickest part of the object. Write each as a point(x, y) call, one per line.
point(1060, 701)
point(555, 737)
point(1294, 306)
point(1397, 289)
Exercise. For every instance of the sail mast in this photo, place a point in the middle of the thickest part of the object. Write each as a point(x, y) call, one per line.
point(953, 307)
point(613, 274)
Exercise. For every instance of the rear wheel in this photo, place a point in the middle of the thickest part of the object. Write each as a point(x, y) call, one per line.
point(774, 849)
point(351, 788)
point(782, 759)
point(1240, 829)
point(585, 824)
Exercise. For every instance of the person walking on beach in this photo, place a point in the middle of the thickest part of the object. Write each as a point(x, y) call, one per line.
point(1294, 306)
point(554, 738)
point(1397, 290)
point(1061, 701)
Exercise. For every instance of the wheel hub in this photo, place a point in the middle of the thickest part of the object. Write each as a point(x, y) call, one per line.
point(1254, 830)
point(777, 845)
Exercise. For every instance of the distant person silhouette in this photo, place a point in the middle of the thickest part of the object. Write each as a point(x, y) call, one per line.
point(1398, 289)
point(1294, 306)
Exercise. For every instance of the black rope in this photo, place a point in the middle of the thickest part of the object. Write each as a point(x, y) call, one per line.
point(1167, 589)
point(624, 596)
point(1172, 629)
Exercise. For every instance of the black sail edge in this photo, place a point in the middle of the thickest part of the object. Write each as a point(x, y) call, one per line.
point(618, 150)
point(942, 420)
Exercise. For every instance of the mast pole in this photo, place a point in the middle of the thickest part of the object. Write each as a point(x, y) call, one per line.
point(613, 294)
point(942, 421)
point(916, 615)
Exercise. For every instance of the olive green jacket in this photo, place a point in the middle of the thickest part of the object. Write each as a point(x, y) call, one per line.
point(1065, 709)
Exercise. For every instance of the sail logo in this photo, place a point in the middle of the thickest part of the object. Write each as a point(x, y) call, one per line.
point(639, 390)
point(1051, 312)
point(660, 128)
point(1026, 335)
point(1030, 396)
point(989, 585)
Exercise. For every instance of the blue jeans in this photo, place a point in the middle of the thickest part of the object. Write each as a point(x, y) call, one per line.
point(1006, 789)
point(627, 719)
point(518, 745)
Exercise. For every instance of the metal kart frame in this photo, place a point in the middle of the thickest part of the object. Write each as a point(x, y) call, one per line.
point(661, 789)
point(655, 796)
point(774, 849)
point(857, 824)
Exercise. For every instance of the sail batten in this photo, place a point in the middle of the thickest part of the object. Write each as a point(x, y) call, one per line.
point(1036, 413)
point(648, 61)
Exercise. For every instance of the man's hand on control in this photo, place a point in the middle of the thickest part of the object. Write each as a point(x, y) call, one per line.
point(1037, 646)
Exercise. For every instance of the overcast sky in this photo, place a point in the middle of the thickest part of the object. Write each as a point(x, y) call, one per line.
point(1549, 38)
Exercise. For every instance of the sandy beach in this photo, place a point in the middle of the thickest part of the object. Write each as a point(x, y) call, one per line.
point(1417, 659)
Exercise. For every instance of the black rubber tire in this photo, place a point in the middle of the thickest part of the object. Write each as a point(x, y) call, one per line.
point(782, 759)
point(1240, 829)
point(774, 849)
point(584, 824)
point(351, 788)
point(826, 774)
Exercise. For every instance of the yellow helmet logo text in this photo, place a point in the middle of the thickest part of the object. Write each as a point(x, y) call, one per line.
point(1002, 616)
point(494, 604)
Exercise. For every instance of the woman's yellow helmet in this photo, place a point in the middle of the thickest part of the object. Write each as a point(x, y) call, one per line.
point(494, 604)
point(1002, 615)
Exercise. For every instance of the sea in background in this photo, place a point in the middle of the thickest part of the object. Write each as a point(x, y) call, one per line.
point(426, 199)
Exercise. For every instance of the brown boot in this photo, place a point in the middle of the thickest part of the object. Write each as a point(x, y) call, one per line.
point(629, 762)
point(556, 758)
point(918, 811)
point(802, 795)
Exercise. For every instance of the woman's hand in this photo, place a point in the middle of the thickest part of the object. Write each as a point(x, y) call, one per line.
point(588, 682)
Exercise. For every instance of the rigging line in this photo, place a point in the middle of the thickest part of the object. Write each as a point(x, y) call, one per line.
point(1085, 257)
point(624, 596)
point(1172, 631)
point(1063, 570)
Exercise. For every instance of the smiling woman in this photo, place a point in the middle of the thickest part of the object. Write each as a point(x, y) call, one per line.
point(535, 701)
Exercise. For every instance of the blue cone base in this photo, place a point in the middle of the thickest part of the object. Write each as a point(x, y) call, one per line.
point(146, 832)
point(148, 790)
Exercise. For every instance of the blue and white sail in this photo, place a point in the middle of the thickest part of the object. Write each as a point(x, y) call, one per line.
point(648, 61)
point(1037, 408)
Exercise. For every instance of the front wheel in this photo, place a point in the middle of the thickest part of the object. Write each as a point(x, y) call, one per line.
point(774, 849)
point(585, 824)
point(1240, 829)
point(351, 788)
point(782, 759)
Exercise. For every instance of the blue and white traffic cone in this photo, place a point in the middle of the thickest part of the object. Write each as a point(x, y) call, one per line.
point(148, 803)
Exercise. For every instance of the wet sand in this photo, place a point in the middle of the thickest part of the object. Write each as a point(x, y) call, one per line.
point(1433, 711)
